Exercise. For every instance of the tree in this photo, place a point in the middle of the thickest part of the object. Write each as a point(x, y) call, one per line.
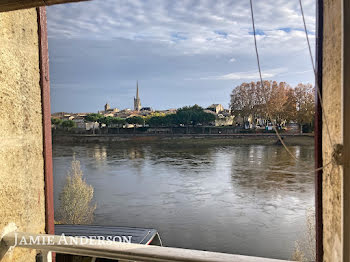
point(68, 124)
point(162, 120)
point(193, 115)
point(119, 122)
point(290, 106)
point(305, 104)
point(170, 120)
point(277, 103)
point(155, 121)
point(135, 120)
point(247, 100)
point(107, 120)
point(206, 118)
point(56, 122)
point(184, 115)
point(273, 101)
point(93, 117)
point(76, 198)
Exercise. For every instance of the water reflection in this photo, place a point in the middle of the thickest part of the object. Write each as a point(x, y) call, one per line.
point(99, 153)
point(238, 199)
point(271, 168)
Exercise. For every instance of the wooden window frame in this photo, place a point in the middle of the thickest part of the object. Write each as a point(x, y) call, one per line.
point(47, 139)
point(318, 133)
point(46, 112)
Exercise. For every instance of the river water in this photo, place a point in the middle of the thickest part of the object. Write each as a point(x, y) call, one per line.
point(249, 200)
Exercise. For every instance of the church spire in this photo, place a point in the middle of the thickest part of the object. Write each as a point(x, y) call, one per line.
point(137, 101)
point(137, 89)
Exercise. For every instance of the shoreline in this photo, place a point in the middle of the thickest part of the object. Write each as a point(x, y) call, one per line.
point(180, 139)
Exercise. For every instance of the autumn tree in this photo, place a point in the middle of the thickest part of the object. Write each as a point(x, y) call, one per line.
point(243, 100)
point(277, 101)
point(290, 106)
point(305, 104)
point(273, 101)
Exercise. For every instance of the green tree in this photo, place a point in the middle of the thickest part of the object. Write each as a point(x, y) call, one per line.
point(93, 117)
point(170, 120)
point(76, 205)
point(205, 118)
point(107, 120)
point(193, 115)
point(155, 121)
point(187, 115)
point(68, 124)
point(135, 120)
point(118, 122)
point(56, 122)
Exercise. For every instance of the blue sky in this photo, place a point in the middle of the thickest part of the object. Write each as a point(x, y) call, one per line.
point(182, 52)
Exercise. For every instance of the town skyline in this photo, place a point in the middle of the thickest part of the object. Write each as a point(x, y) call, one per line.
point(188, 52)
point(137, 105)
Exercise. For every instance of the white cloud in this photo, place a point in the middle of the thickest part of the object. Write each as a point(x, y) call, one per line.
point(111, 43)
point(204, 27)
point(249, 75)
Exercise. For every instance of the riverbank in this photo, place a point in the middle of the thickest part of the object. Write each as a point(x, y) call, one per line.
point(202, 139)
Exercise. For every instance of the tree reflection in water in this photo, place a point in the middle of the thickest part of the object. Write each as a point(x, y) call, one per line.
point(239, 199)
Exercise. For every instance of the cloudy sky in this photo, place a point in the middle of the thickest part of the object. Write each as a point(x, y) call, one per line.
point(182, 52)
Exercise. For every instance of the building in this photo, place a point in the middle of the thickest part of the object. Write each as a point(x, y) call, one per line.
point(108, 111)
point(137, 101)
point(217, 108)
point(147, 109)
point(223, 120)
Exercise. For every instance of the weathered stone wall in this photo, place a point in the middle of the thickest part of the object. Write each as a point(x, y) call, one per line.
point(22, 198)
point(332, 176)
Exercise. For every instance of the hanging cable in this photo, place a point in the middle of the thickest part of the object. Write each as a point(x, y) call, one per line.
point(314, 70)
point(262, 85)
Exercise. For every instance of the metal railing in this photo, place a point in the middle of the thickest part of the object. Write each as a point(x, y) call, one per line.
point(114, 250)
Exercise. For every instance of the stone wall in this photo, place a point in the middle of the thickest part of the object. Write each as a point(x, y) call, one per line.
point(22, 198)
point(332, 175)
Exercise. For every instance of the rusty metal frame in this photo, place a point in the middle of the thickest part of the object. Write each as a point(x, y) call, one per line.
point(318, 133)
point(46, 111)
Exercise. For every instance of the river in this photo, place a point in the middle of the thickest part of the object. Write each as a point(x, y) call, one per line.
point(248, 200)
